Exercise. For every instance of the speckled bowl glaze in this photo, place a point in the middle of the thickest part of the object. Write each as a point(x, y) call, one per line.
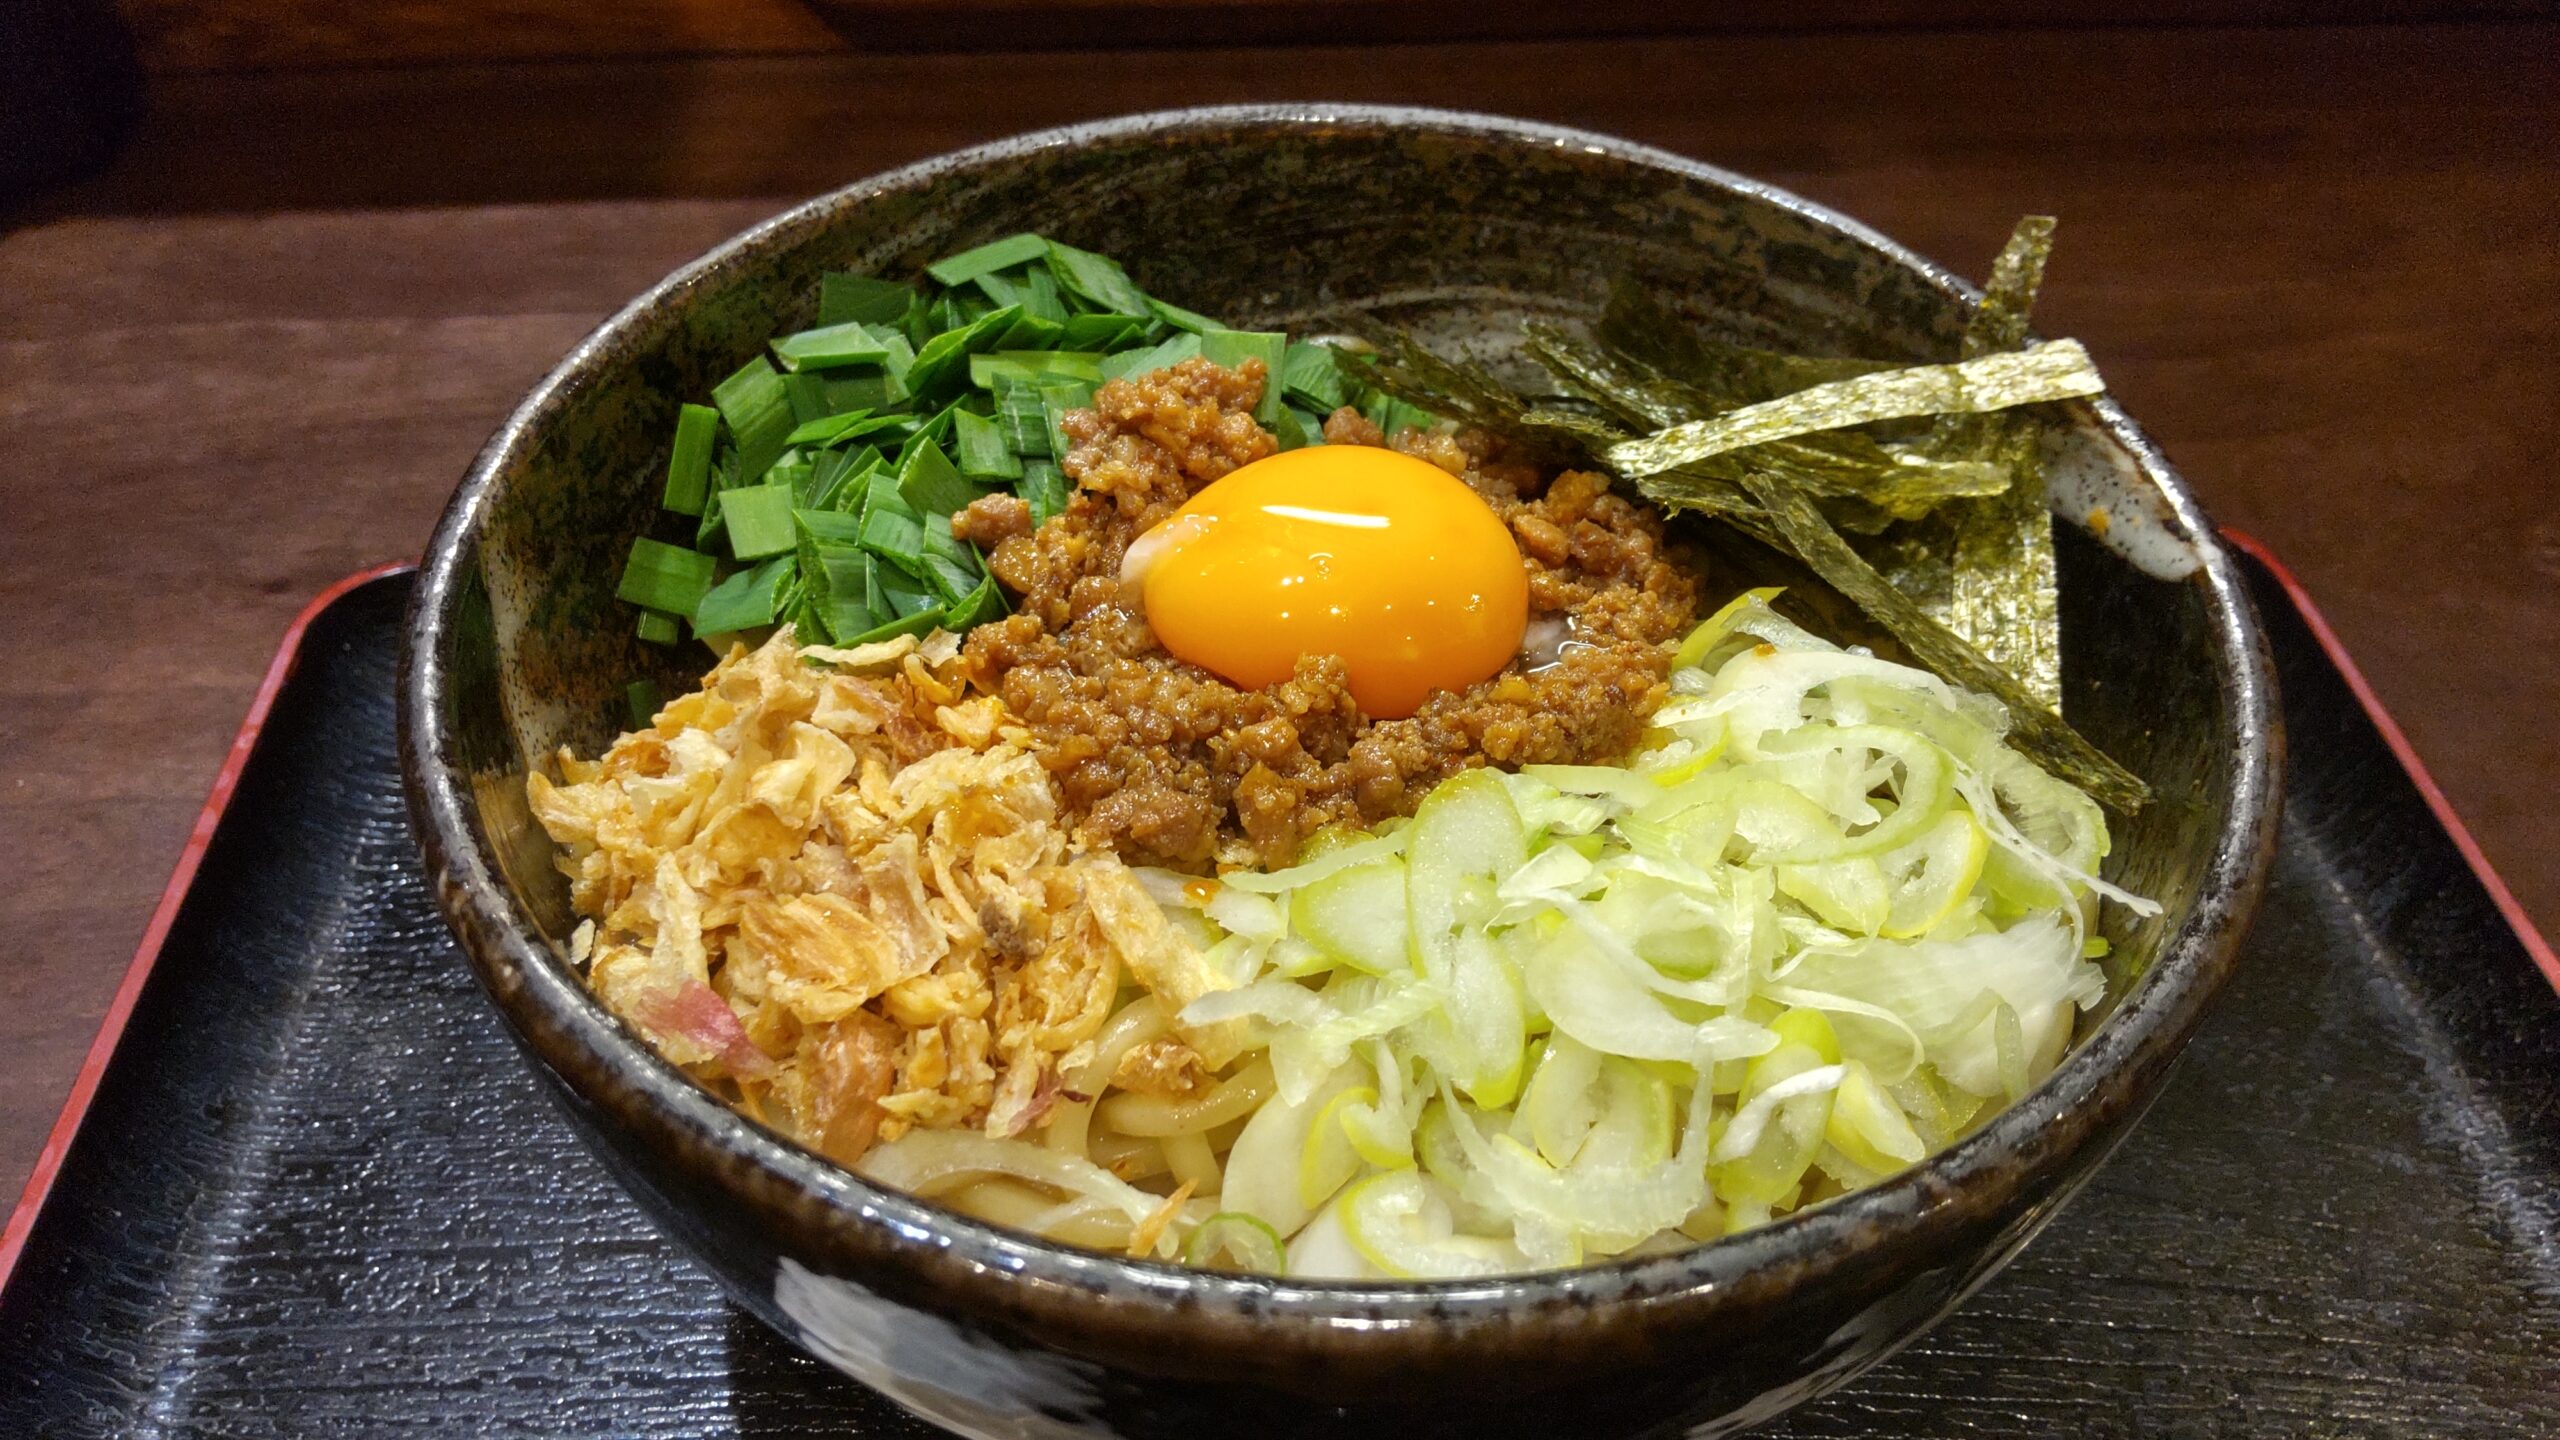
point(1459, 225)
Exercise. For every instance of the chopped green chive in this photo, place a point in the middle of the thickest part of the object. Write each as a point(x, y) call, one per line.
point(1033, 366)
point(1044, 485)
point(658, 628)
point(943, 362)
point(902, 593)
point(1022, 418)
point(1041, 298)
point(893, 537)
point(758, 410)
point(828, 346)
point(920, 621)
point(984, 455)
point(982, 604)
point(759, 519)
point(844, 298)
point(929, 482)
point(1181, 319)
point(1099, 279)
point(1101, 333)
point(689, 464)
point(744, 601)
point(1160, 357)
point(1309, 376)
point(659, 576)
point(994, 255)
point(640, 700)
point(1057, 399)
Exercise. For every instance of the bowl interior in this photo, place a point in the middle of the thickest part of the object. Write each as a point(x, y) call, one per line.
point(1456, 227)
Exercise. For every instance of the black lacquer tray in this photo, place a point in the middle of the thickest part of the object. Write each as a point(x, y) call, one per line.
point(306, 1188)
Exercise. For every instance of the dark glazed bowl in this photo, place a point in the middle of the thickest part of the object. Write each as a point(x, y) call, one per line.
point(1459, 225)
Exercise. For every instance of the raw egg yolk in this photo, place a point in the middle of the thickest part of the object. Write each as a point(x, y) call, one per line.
point(1348, 550)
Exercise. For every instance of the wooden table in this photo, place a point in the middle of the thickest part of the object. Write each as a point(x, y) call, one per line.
point(2322, 264)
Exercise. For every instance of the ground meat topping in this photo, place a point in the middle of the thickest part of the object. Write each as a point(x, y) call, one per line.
point(1168, 763)
point(990, 520)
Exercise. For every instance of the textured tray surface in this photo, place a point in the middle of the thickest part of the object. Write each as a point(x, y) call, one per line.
point(318, 1195)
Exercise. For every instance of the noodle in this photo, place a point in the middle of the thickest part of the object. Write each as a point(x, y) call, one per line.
point(1193, 1162)
point(1231, 1099)
point(1136, 1023)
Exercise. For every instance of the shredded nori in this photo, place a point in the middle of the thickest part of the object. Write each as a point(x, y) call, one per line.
point(2001, 587)
point(2054, 370)
point(1954, 558)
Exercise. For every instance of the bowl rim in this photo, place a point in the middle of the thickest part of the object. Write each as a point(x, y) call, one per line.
point(2117, 1066)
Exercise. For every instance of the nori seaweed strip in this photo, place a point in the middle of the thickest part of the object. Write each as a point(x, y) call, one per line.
point(2002, 589)
point(1864, 486)
point(2054, 370)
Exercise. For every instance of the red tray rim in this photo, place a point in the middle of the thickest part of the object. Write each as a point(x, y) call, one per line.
point(146, 954)
point(102, 1047)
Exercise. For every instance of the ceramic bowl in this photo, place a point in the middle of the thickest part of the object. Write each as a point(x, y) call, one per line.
point(1460, 226)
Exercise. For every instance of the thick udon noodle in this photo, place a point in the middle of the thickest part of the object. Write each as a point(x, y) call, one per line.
point(1090, 1175)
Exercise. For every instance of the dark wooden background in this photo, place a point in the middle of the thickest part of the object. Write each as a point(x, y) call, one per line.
point(2319, 260)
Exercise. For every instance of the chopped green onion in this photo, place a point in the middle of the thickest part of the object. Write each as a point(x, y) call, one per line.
point(902, 593)
point(759, 519)
point(1098, 278)
point(828, 346)
point(657, 627)
point(689, 464)
point(1022, 418)
point(999, 288)
point(982, 604)
point(1102, 334)
point(758, 410)
point(928, 481)
point(843, 298)
point(863, 389)
point(1034, 366)
point(1057, 399)
point(1161, 357)
point(916, 622)
point(1311, 423)
point(640, 699)
point(826, 527)
point(885, 497)
point(853, 490)
point(744, 601)
point(951, 580)
point(943, 362)
point(1041, 299)
point(1393, 416)
point(659, 576)
point(808, 396)
point(1044, 486)
point(1291, 431)
point(794, 474)
point(839, 469)
point(994, 255)
point(1310, 376)
point(710, 528)
point(1181, 319)
point(984, 455)
point(894, 537)
point(1030, 332)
